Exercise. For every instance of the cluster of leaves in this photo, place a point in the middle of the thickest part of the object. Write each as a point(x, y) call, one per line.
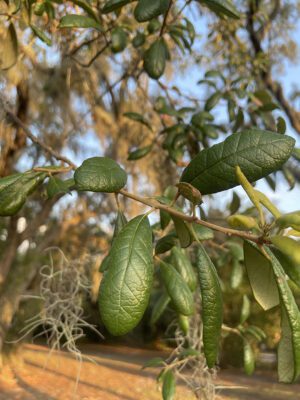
point(128, 270)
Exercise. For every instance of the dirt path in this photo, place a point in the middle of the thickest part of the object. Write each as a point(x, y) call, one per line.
point(116, 376)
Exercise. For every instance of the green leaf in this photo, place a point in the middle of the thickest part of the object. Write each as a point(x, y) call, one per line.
point(281, 126)
point(242, 222)
point(15, 189)
point(118, 40)
point(202, 232)
point(184, 324)
point(190, 352)
point(246, 307)
point(183, 232)
point(57, 186)
point(177, 289)
point(289, 220)
point(169, 385)
point(138, 118)
point(86, 7)
point(213, 101)
point(257, 152)
point(289, 345)
point(9, 48)
point(291, 268)
point(159, 308)
point(165, 243)
point(138, 40)
point(261, 276)
point(249, 359)
point(212, 305)
point(114, 5)
point(125, 288)
point(183, 265)
point(121, 221)
point(41, 35)
point(100, 174)
point(154, 362)
point(223, 7)
point(147, 10)
point(79, 21)
point(235, 203)
point(236, 274)
point(155, 58)
point(288, 246)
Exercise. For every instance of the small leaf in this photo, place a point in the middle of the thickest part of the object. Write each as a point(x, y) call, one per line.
point(246, 307)
point(155, 59)
point(125, 287)
point(113, 5)
point(212, 305)
point(41, 35)
point(100, 174)
point(213, 101)
point(118, 40)
point(15, 189)
point(223, 7)
point(281, 125)
point(289, 345)
point(165, 243)
point(183, 232)
point(189, 353)
point(79, 21)
point(147, 10)
point(242, 222)
point(257, 152)
point(236, 274)
point(202, 232)
point(9, 48)
point(177, 289)
point(183, 265)
point(153, 363)
point(289, 220)
point(169, 385)
point(138, 40)
point(291, 268)
point(235, 203)
point(288, 246)
point(159, 308)
point(184, 324)
point(57, 186)
point(249, 359)
point(261, 276)
point(86, 7)
point(138, 118)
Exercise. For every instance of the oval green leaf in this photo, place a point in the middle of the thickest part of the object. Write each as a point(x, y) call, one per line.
point(177, 289)
point(212, 305)
point(79, 21)
point(100, 174)
point(183, 265)
point(146, 10)
point(125, 288)
point(257, 152)
point(15, 189)
point(155, 59)
point(261, 276)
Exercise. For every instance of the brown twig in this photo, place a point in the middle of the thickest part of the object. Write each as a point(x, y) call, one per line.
point(192, 219)
point(12, 117)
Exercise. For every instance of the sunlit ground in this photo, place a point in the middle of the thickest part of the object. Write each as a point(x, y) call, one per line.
point(116, 374)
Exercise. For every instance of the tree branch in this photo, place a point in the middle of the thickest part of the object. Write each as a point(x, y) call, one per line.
point(13, 118)
point(191, 219)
